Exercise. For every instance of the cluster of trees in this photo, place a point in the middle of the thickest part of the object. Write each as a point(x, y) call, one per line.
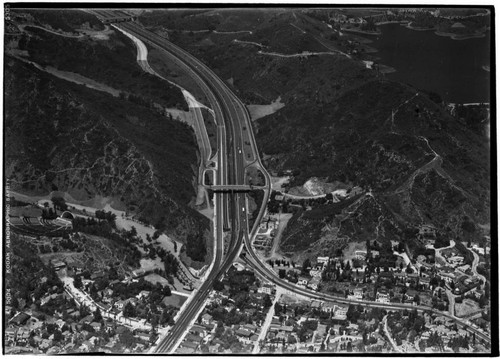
point(119, 71)
point(65, 20)
point(290, 275)
point(127, 290)
point(102, 228)
point(27, 270)
point(108, 216)
point(171, 264)
point(405, 326)
point(474, 116)
point(240, 281)
point(195, 246)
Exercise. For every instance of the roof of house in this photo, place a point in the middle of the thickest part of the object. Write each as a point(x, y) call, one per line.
point(197, 329)
point(189, 344)
point(185, 350)
point(243, 333)
point(20, 318)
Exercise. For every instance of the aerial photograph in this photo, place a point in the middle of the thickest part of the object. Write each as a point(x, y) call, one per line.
point(256, 179)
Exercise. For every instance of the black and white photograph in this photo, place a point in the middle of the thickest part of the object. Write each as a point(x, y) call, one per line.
point(268, 179)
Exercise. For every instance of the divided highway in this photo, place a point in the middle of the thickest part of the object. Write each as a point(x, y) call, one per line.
point(234, 127)
point(230, 208)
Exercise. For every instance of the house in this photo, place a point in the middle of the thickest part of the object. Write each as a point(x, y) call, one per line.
point(60, 323)
point(456, 260)
point(45, 344)
point(214, 348)
point(425, 281)
point(250, 327)
point(142, 335)
point(85, 347)
point(185, 350)
point(447, 274)
point(360, 254)
point(244, 335)
point(254, 338)
point(316, 272)
point(198, 330)
point(382, 296)
point(427, 230)
point(314, 283)
point(88, 319)
point(266, 289)
point(329, 307)
point(68, 347)
point(340, 313)
point(96, 275)
point(322, 260)
point(400, 275)
point(10, 334)
point(316, 304)
point(20, 319)
point(188, 344)
point(356, 293)
point(410, 294)
point(206, 319)
point(57, 265)
point(464, 268)
point(138, 273)
point(143, 294)
point(302, 281)
point(48, 298)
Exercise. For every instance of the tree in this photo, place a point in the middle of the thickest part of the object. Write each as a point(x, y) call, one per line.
point(129, 310)
point(305, 265)
point(97, 315)
point(154, 321)
point(77, 282)
point(409, 269)
point(282, 273)
point(59, 203)
point(277, 309)
point(267, 301)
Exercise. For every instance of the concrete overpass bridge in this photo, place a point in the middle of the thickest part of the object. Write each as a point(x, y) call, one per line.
point(232, 188)
point(113, 20)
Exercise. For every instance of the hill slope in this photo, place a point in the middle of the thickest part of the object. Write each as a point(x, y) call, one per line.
point(63, 136)
point(343, 122)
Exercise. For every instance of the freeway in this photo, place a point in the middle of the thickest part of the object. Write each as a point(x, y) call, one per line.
point(232, 114)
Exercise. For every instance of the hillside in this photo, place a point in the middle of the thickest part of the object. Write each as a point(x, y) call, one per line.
point(66, 137)
point(110, 60)
point(343, 122)
point(421, 165)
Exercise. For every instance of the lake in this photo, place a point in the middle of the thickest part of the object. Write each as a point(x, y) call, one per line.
point(451, 68)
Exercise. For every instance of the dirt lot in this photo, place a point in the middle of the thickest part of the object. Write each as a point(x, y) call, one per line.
point(467, 307)
point(175, 300)
point(352, 248)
